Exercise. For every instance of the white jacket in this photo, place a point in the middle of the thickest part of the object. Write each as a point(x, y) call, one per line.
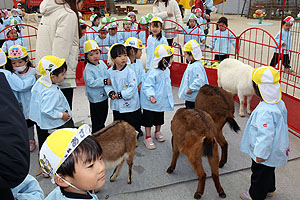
point(57, 34)
point(160, 10)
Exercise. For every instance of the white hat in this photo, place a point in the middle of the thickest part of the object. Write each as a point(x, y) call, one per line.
point(131, 13)
point(103, 28)
point(267, 78)
point(59, 146)
point(289, 20)
point(105, 20)
point(194, 47)
point(127, 20)
point(160, 52)
point(3, 58)
point(92, 18)
point(90, 45)
point(112, 25)
point(134, 42)
point(143, 20)
point(193, 16)
point(114, 19)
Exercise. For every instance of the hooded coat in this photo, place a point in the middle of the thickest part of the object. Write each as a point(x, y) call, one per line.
point(58, 34)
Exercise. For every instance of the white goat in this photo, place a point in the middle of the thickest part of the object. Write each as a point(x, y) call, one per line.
point(235, 77)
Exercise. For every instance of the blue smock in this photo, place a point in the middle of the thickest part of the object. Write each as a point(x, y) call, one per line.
point(222, 45)
point(152, 43)
point(104, 46)
point(139, 70)
point(8, 43)
point(286, 38)
point(199, 37)
point(93, 33)
point(81, 45)
point(56, 194)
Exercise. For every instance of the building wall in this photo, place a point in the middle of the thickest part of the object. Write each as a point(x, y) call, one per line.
point(234, 7)
point(7, 4)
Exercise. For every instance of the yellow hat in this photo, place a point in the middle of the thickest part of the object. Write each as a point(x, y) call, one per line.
point(90, 45)
point(3, 58)
point(267, 78)
point(194, 47)
point(17, 52)
point(134, 42)
point(160, 52)
point(59, 146)
point(156, 19)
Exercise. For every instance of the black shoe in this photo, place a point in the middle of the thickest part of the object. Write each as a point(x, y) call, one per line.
point(141, 133)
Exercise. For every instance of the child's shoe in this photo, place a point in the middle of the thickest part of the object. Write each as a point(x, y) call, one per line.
point(149, 143)
point(32, 145)
point(245, 196)
point(159, 136)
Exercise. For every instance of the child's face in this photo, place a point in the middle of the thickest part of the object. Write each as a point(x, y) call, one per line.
point(287, 26)
point(188, 57)
point(192, 22)
point(12, 34)
point(127, 26)
point(87, 176)
point(120, 60)
point(138, 54)
point(59, 78)
point(102, 34)
point(2, 15)
point(20, 7)
point(18, 63)
point(14, 13)
point(198, 14)
point(154, 29)
point(114, 31)
point(94, 57)
point(97, 21)
point(132, 17)
point(223, 27)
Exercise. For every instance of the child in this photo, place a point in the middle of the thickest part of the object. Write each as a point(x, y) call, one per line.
point(193, 29)
point(286, 39)
point(12, 34)
point(156, 94)
point(265, 138)
point(95, 78)
point(2, 34)
point(194, 76)
point(132, 17)
point(155, 38)
point(95, 23)
point(127, 30)
point(28, 189)
point(200, 20)
point(5, 17)
point(15, 15)
point(72, 158)
point(113, 36)
point(221, 41)
point(19, 63)
point(142, 31)
point(105, 20)
point(123, 90)
point(49, 107)
point(83, 38)
point(102, 41)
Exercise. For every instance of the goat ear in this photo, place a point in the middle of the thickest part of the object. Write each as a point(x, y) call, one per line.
point(203, 139)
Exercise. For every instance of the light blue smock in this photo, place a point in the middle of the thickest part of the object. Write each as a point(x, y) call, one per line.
point(142, 36)
point(46, 104)
point(2, 34)
point(139, 70)
point(29, 189)
point(24, 97)
point(17, 84)
point(127, 34)
point(200, 20)
point(93, 33)
point(104, 46)
point(209, 4)
point(157, 84)
point(199, 37)
point(222, 45)
point(6, 22)
point(94, 81)
point(152, 43)
point(193, 78)
point(56, 194)
point(81, 45)
point(8, 43)
point(123, 81)
point(117, 38)
point(286, 38)
point(266, 134)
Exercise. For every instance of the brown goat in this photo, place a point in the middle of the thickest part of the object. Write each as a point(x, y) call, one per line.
point(118, 142)
point(194, 134)
point(220, 105)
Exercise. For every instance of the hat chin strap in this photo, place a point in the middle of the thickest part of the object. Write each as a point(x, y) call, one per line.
point(76, 188)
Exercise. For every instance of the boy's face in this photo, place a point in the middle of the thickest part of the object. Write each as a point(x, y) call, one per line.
point(192, 22)
point(132, 17)
point(59, 78)
point(222, 28)
point(198, 14)
point(102, 34)
point(113, 31)
point(127, 26)
point(287, 26)
point(138, 54)
point(120, 60)
point(12, 34)
point(94, 57)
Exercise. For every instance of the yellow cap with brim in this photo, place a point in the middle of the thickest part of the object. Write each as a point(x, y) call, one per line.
point(194, 47)
point(134, 42)
point(17, 52)
point(160, 52)
point(90, 45)
point(267, 78)
point(156, 19)
point(3, 59)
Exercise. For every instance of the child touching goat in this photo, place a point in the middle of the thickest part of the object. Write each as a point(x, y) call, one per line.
point(265, 137)
point(156, 94)
point(72, 158)
point(194, 76)
point(95, 78)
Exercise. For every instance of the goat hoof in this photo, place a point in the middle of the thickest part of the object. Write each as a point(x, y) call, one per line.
point(170, 170)
point(112, 180)
point(222, 194)
point(242, 114)
point(129, 182)
point(249, 112)
point(197, 195)
point(221, 164)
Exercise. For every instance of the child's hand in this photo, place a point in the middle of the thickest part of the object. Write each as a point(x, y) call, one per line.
point(139, 87)
point(65, 116)
point(283, 44)
point(259, 160)
point(170, 14)
point(153, 100)
point(189, 91)
point(115, 96)
point(108, 82)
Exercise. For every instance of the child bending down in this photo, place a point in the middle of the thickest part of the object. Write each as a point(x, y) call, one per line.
point(156, 94)
point(72, 158)
point(194, 76)
point(265, 137)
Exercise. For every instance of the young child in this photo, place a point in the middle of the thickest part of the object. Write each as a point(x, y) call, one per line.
point(12, 34)
point(286, 39)
point(20, 64)
point(142, 31)
point(95, 77)
point(72, 158)
point(5, 17)
point(28, 189)
point(191, 29)
point(83, 38)
point(95, 23)
point(194, 76)
point(113, 36)
point(156, 94)
point(155, 38)
point(200, 19)
point(102, 41)
point(123, 90)
point(127, 30)
point(132, 17)
point(49, 107)
point(15, 15)
point(265, 137)
point(218, 44)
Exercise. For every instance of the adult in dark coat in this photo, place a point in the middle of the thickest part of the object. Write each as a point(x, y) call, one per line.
point(14, 146)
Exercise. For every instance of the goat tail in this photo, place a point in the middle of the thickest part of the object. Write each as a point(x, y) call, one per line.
point(208, 144)
point(233, 124)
